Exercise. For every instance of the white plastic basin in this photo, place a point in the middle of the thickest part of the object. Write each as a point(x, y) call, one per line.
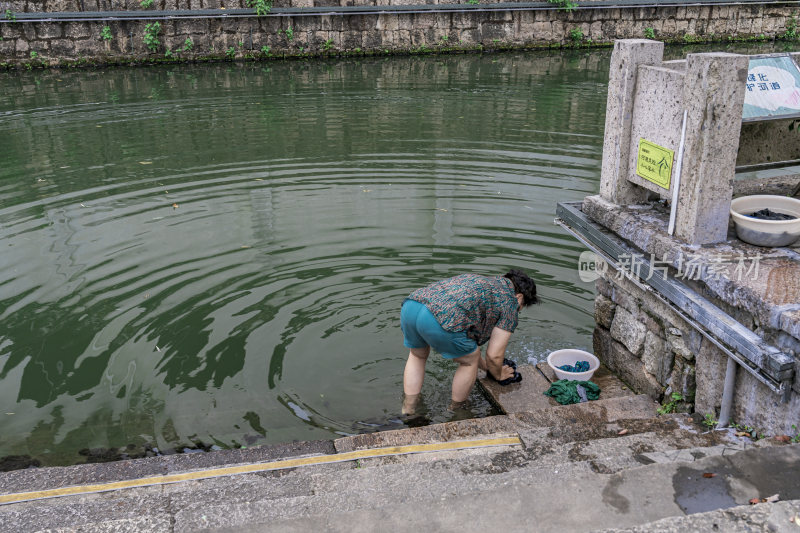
point(769, 233)
point(570, 357)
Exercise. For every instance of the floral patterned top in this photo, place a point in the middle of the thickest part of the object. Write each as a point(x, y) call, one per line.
point(471, 303)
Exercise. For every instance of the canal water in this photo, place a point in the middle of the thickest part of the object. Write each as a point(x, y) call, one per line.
point(196, 256)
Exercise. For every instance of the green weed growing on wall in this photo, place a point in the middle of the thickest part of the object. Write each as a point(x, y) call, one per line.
point(672, 405)
point(151, 32)
point(565, 5)
point(265, 50)
point(262, 7)
point(327, 45)
point(9, 15)
point(649, 33)
point(230, 53)
point(105, 34)
point(576, 35)
point(791, 28)
point(146, 4)
point(288, 32)
point(188, 44)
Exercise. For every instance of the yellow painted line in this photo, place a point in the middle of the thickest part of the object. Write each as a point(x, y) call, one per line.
point(258, 467)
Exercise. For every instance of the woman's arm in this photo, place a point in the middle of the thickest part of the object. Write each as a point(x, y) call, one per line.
point(495, 353)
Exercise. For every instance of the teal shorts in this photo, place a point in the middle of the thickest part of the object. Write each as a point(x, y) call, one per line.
point(420, 330)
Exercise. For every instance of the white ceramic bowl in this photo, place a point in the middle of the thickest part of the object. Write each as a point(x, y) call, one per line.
point(570, 357)
point(769, 233)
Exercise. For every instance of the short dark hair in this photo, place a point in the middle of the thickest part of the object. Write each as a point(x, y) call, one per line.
point(524, 285)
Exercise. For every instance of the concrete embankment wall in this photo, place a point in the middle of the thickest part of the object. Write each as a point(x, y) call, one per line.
point(57, 32)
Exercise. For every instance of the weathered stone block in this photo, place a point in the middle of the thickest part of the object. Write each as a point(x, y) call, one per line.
point(683, 381)
point(525, 17)
point(604, 287)
point(77, 30)
point(627, 330)
point(657, 357)
point(542, 31)
point(668, 27)
point(8, 47)
point(62, 47)
point(625, 299)
point(10, 31)
point(403, 39)
point(710, 376)
point(624, 364)
point(491, 31)
point(471, 36)
point(712, 140)
point(465, 20)
point(387, 23)
point(351, 40)
point(787, 344)
point(678, 345)
point(604, 311)
point(47, 30)
point(596, 31)
point(424, 20)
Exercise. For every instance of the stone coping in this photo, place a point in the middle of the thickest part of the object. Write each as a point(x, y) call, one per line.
point(765, 282)
point(362, 9)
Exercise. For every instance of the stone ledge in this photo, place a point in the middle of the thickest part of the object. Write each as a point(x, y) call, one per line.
point(773, 297)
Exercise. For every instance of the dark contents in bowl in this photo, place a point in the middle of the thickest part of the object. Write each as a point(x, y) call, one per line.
point(580, 366)
point(766, 214)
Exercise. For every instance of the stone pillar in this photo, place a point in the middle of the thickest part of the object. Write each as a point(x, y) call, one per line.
point(628, 55)
point(713, 96)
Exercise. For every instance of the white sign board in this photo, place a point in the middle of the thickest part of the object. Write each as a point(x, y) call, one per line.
point(772, 88)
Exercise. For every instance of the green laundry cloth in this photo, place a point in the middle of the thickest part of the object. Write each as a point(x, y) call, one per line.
point(564, 391)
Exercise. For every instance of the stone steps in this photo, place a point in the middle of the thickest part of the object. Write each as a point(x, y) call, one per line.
point(583, 502)
point(564, 448)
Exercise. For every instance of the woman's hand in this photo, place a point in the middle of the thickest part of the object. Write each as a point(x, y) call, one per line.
point(505, 373)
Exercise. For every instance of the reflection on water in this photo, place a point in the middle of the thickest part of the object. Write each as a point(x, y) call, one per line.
point(216, 255)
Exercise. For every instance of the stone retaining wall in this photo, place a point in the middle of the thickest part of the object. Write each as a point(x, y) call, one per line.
point(657, 353)
point(57, 43)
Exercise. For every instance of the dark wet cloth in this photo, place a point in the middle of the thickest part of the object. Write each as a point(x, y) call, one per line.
point(565, 391)
point(766, 214)
point(516, 378)
point(580, 366)
point(471, 303)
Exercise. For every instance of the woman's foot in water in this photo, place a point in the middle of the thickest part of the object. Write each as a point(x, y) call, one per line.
point(410, 404)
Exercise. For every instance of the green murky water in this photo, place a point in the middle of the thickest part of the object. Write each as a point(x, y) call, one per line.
point(217, 254)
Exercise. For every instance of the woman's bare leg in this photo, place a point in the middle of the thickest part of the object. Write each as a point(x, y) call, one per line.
point(414, 373)
point(465, 375)
point(413, 376)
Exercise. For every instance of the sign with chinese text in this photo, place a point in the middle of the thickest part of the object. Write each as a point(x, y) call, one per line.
point(772, 88)
point(654, 163)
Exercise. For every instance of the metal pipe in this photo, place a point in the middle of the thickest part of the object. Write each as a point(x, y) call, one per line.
point(727, 394)
point(767, 166)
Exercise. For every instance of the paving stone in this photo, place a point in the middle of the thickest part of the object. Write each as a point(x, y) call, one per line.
point(610, 385)
point(523, 396)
